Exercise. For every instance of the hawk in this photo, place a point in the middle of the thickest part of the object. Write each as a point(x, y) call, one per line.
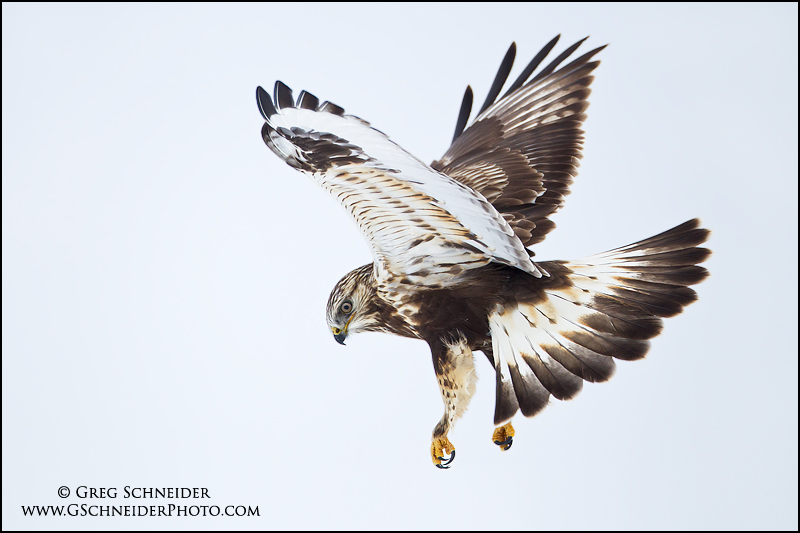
point(451, 243)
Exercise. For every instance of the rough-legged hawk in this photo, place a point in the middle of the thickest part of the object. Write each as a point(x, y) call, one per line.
point(451, 243)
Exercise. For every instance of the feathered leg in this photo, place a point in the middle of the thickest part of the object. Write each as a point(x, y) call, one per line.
point(455, 372)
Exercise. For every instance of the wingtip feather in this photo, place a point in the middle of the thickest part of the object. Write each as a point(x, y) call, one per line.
point(463, 114)
point(265, 106)
point(283, 95)
point(501, 77)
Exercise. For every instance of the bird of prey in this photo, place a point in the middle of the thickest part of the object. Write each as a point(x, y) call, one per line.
point(451, 243)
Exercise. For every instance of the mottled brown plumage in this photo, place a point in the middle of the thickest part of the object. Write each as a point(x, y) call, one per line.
point(616, 323)
point(450, 242)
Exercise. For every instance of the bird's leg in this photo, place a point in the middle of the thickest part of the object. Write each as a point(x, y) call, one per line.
point(503, 436)
point(442, 450)
point(455, 372)
point(505, 403)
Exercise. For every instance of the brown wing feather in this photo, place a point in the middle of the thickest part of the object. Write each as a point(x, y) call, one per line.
point(523, 151)
point(555, 332)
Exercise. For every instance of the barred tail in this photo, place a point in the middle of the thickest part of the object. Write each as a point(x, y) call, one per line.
point(559, 331)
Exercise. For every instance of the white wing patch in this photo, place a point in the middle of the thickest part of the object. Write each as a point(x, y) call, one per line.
point(521, 338)
point(589, 312)
point(571, 332)
point(423, 227)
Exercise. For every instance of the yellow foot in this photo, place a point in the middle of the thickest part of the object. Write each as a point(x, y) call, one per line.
point(504, 436)
point(440, 448)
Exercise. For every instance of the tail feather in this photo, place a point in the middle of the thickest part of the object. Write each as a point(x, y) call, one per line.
point(686, 275)
point(681, 237)
point(557, 332)
point(581, 361)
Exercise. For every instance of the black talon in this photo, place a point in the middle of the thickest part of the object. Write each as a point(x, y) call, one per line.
point(506, 444)
point(450, 460)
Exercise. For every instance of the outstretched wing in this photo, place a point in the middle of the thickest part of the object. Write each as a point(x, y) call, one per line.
point(570, 327)
point(422, 226)
point(522, 151)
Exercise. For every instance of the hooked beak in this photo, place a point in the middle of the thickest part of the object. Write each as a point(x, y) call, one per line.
point(340, 337)
point(341, 334)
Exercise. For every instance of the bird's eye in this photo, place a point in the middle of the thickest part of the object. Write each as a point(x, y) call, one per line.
point(346, 306)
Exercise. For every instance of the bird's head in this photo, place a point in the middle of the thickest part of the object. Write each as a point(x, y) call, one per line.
point(352, 304)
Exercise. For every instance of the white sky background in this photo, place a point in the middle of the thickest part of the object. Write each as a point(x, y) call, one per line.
point(165, 275)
